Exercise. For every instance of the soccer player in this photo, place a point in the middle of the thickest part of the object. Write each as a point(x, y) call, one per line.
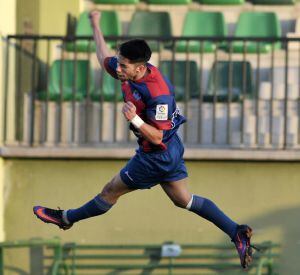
point(151, 110)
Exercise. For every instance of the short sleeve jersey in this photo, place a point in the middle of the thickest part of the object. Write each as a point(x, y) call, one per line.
point(153, 96)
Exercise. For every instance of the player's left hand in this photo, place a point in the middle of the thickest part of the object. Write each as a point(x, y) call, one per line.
point(129, 110)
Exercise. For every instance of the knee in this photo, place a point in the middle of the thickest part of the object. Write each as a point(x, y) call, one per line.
point(108, 193)
point(180, 203)
point(107, 190)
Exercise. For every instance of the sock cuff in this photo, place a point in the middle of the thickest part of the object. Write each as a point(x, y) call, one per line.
point(102, 204)
point(197, 203)
point(65, 216)
point(189, 205)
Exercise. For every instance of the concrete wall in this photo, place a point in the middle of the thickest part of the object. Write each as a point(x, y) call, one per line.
point(44, 16)
point(7, 26)
point(264, 195)
point(7, 17)
point(53, 15)
point(26, 17)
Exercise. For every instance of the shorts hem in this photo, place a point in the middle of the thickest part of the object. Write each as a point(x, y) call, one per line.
point(126, 180)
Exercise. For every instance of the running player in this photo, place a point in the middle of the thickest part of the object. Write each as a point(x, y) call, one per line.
point(151, 110)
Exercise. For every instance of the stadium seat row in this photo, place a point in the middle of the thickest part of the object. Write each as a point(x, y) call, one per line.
point(145, 23)
point(206, 2)
point(76, 80)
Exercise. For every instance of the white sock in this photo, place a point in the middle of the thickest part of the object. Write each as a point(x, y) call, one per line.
point(65, 217)
point(189, 205)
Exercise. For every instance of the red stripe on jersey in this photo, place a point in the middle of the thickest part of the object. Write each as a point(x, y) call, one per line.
point(127, 91)
point(149, 147)
point(109, 69)
point(128, 96)
point(155, 83)
point(161, 125)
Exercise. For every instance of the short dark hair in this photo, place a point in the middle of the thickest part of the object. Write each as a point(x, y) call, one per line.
point(136, 50)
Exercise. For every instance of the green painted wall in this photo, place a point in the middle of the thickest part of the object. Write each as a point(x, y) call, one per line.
point(265, 195)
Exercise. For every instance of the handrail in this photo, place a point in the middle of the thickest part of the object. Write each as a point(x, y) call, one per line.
point(264, 245)
point(249, 118)
point(30, 243)
point(153, 37)
point(60, 259)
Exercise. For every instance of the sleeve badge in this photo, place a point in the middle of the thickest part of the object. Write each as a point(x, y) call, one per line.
point(161, 112)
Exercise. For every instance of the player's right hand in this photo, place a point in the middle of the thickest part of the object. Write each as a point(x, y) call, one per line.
point(95, 16)
point(129, 110)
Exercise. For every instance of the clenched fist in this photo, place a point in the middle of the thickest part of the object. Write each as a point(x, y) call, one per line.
point(95, 17)
point(129, 110)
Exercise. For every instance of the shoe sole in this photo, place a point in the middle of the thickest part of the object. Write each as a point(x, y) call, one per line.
point(248, 254)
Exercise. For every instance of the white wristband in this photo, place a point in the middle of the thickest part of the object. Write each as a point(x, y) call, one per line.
point(137, 122)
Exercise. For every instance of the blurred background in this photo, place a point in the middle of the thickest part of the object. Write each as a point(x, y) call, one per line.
point(235, 66)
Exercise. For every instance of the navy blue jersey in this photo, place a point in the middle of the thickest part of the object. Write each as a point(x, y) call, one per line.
point(153, 96)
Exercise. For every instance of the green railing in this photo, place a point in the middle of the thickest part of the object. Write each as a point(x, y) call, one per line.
point(53, 244)
point(53, 257)
point(140, 259)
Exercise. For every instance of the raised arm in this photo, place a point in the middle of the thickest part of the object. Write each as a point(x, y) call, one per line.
point(102, 50)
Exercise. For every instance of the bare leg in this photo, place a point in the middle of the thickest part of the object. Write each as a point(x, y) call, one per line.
point(239, 234)
point(101, 203)
point(178, 192)
point(114, 189)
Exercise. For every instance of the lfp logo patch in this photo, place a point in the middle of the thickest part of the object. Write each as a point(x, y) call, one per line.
point(161, 112)
point(136, 95)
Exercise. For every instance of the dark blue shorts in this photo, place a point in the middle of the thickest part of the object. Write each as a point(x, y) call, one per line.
point(146, 170)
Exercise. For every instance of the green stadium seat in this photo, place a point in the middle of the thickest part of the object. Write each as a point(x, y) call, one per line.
point(110, 89)
point(169, 2)
point(273, 2)
point(110, 25)
point(221, 2)
point(219, 83)
point(179, 79)
point(64, 73)
point(146, 23)
point(257, 24)
point(116, 2)
point(193, 26)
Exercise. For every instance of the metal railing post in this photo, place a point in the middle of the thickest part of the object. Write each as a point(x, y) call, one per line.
point(231, 93)
point(33, 94)
point(6, 83)
point(1, 261)
point(286, 77)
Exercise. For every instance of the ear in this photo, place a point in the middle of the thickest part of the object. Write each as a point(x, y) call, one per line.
point(140, 67)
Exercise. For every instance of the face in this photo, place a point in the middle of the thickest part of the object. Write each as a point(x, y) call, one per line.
point(127, 70)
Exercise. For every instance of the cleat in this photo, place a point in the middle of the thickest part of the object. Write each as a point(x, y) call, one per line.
point(49, 215)
point(243, 245)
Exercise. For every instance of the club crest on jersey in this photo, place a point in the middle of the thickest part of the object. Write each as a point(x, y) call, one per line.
point(136, 95)
point(161, 112)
